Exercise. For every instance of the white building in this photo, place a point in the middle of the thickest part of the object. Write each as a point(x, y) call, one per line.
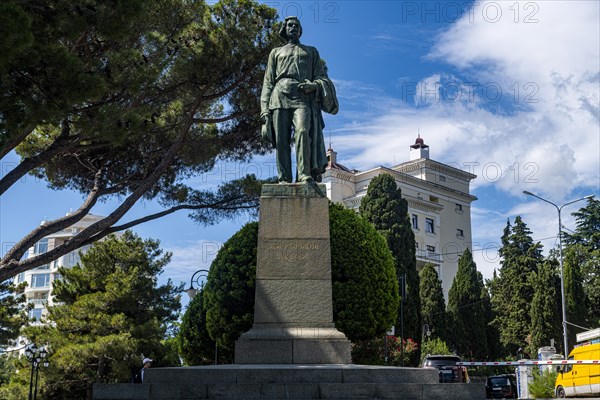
point(439, 204)
point(41, 279)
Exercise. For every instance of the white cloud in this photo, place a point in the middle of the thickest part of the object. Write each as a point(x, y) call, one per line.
point(526, 118)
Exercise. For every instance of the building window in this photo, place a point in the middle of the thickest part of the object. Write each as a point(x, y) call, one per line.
point(21, 277)
point(431, 249)
point(35, 314)
point(429, 225)
point(41, 246)
point(416, 245)
point(415, 221)
point(442, 178)
point(460, 233)
point(46, 266)
point(458, 208)
point(40, 280)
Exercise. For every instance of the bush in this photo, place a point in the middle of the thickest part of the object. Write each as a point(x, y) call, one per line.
point(542, 386)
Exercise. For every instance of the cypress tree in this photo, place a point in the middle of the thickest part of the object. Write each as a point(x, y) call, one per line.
point(384, 207)
point(512, 289)
point(466, 310)
point(575, 257)
point(433, 305)
point(546, 307)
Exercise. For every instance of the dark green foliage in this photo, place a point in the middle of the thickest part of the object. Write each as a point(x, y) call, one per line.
point(466, 310)
point(130, 98)
point(575, 258)
point(229, 290)
point(195, 345)
point(433, 305)
point(492, 333)
point(512, 290)
point(112, 313)
point(384, 207)
point(365, 287)
point(582, 258)
point(365, 290)
point(12, 312)
point(546, 318)
point(587, 230)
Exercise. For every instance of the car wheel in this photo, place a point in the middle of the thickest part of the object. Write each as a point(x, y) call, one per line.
point(560, 393)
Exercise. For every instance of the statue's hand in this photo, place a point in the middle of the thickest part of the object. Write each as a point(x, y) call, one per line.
point(264, 117)
point(307, 86)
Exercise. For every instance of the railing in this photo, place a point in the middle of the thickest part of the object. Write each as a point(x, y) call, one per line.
point(430, 255)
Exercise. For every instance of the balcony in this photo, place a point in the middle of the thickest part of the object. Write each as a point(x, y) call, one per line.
point(428, 256)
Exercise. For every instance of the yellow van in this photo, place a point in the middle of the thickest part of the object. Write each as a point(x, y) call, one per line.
point(575, 380)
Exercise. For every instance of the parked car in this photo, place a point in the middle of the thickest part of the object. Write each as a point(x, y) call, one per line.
point(501, 387)
point(448, 370)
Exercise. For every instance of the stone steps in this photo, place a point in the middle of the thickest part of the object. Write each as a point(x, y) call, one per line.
point(299, 382)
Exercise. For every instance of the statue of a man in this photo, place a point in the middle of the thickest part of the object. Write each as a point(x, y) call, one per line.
point(295, 90)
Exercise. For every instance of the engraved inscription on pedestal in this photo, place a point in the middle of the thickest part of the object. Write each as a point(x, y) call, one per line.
point(293, 312)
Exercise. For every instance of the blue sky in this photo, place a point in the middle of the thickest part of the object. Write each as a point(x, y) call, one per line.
point(507, 90)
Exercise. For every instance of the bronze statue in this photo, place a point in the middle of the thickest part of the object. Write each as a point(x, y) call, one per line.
point(295, 90)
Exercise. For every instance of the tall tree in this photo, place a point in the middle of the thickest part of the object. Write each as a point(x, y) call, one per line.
point(577, 303)
point(466, 310)
point(384, 207)
point(111, 312)
point(433, 305)
point(582, 263)
point(512, 290)
point(546, 317)
point(492, 333)
point(130, 98)
point(587, 229)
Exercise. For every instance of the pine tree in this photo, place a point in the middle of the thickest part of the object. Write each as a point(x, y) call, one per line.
point(466, 311)
point(545, 307)
point(512, 290)
point(111, 314)
point(582, 262)
point(433, 305)
point(587, 231)
point(384, 207)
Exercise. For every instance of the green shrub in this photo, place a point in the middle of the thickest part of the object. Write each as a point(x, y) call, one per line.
point(542, 386)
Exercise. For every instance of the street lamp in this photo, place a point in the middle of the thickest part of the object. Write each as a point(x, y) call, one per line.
point(562, 275)
point(37, 357)
point(201, 273)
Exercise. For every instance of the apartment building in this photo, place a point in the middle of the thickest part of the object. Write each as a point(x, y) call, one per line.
point(40, 280)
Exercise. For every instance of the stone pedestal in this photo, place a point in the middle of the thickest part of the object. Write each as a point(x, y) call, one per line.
point(293, 312)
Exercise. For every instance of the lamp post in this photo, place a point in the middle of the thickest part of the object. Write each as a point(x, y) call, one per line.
point(36, 356)
point(201, 273)
point(562, 274)
point(199, 277)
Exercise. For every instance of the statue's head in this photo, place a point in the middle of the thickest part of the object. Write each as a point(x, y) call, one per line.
point(289, 25)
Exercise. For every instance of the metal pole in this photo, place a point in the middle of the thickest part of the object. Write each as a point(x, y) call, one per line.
point(37, 372)
point(562, 287)
point(562, 274)
point(31, 380)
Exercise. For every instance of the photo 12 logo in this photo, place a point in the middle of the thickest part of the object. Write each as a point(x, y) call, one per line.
point(454, 92)
point(526, 12)
point(318, 11)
